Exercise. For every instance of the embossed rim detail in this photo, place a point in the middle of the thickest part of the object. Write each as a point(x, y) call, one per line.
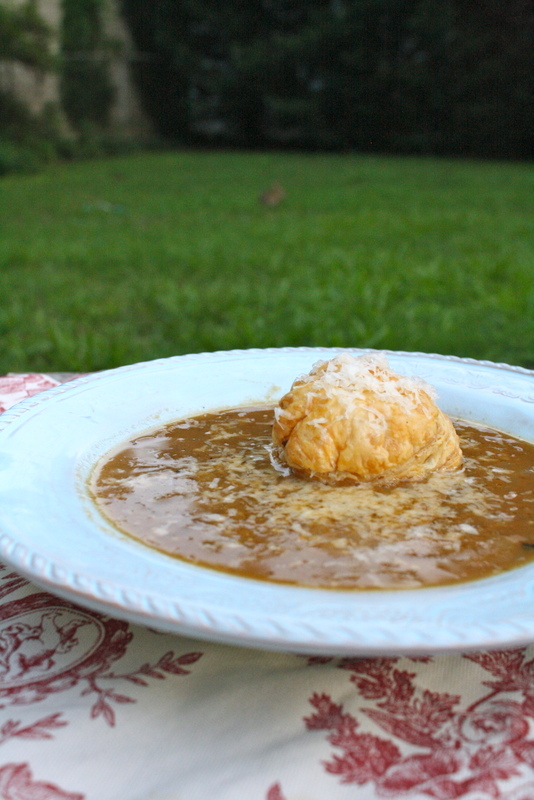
point(49, 443)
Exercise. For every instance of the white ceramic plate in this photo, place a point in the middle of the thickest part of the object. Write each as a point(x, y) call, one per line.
point(51, 532)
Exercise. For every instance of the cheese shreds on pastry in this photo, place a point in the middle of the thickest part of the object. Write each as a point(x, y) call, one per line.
point(354, 419)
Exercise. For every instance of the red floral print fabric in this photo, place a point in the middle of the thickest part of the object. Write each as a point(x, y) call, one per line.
point(95, 708)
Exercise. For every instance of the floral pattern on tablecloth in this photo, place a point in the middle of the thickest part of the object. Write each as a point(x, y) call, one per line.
point(95, 708)
point(14, 388)
point(49, 646)
point(460, 748)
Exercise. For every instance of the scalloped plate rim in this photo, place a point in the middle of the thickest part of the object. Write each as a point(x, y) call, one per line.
point(280, 629)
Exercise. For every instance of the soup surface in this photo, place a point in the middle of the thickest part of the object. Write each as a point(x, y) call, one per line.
point(207, 490)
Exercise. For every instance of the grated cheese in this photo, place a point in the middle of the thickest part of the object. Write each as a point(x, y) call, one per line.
point(369, 373)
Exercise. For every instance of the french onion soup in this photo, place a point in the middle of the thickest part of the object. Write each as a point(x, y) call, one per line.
point(356, 480)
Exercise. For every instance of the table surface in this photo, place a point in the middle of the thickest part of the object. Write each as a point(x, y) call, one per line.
point(95, 708)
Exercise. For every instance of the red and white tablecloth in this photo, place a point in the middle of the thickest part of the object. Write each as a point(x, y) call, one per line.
point(94, 708)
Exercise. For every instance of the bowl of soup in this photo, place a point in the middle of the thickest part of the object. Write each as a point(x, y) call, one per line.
point(150, 492)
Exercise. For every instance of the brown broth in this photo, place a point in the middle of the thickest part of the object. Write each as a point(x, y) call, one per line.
point(206, 490)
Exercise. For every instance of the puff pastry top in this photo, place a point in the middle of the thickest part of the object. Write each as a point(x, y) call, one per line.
point(354, 419)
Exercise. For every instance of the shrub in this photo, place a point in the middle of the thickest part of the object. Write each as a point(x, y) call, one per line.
point(16, 158)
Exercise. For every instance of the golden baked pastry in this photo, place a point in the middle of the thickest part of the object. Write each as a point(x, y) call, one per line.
point(353, 419)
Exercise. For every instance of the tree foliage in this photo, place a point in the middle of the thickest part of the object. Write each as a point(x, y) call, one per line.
point(24, 36)
point(86, 90)
point(385, 75)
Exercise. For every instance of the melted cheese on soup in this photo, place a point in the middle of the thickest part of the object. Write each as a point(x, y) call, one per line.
point(208, 490)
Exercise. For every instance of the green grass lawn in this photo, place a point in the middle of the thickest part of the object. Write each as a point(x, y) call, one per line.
point(109, 262)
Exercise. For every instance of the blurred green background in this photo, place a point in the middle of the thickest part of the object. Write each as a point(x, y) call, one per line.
point(111, 261)
point(187, 175)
